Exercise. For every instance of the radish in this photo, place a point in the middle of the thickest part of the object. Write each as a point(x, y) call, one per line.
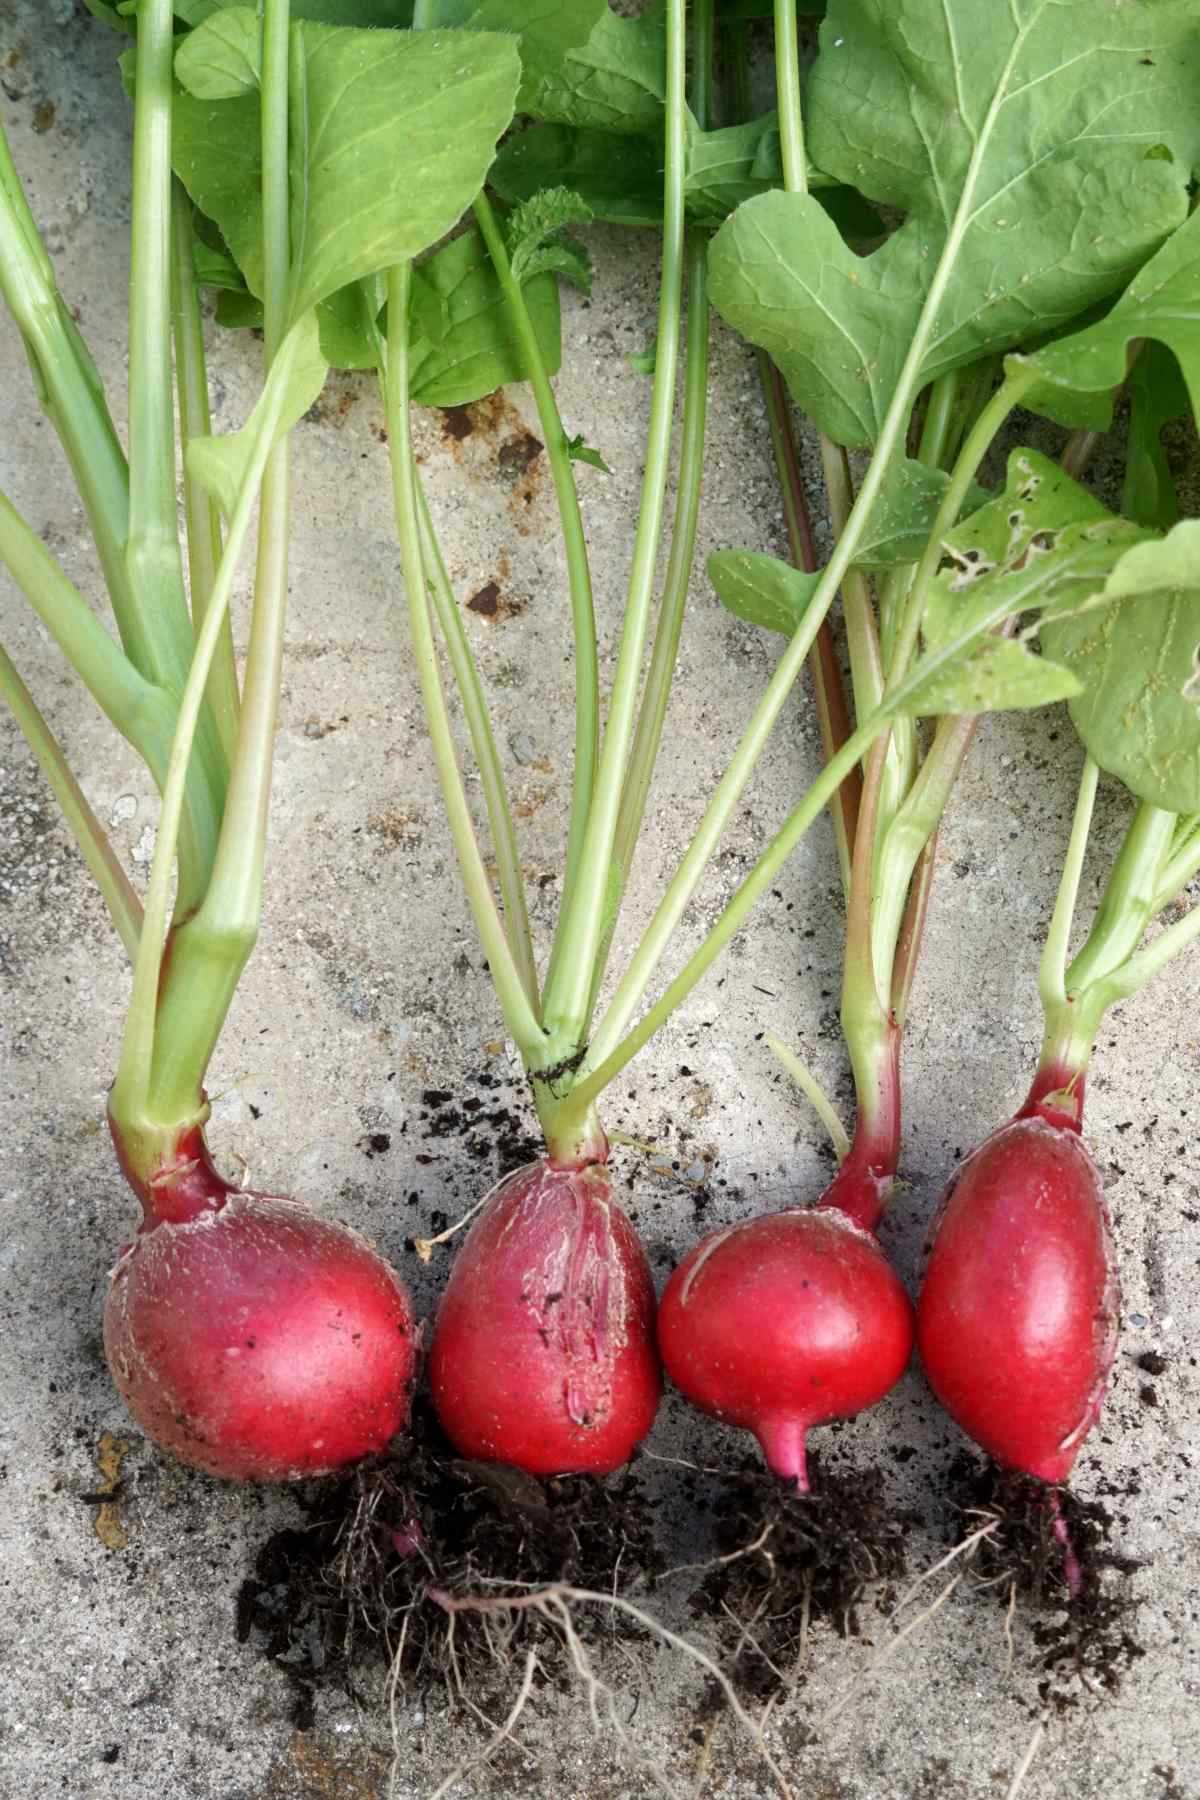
point(251, 1338)
point(543, 1355)
point(1018, 1311)
point(248, 1337)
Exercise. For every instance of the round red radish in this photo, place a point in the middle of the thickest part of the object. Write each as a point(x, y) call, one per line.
point(543, 1352)
point(254, 1340)
point(784, 1323)
point(1017, 1318)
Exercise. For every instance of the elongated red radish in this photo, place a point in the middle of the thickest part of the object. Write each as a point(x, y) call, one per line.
point(250, 1338)
point(1017, 1316)
point(543, 1351)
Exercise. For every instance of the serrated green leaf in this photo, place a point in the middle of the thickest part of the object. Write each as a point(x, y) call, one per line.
point(222, 58)
point(294, 381)
point(1137, 655)
point(536, 243)
point(549, 30)
point(761, 589)
point(1013, 138)
point(618, 176)
point(1078, 374)
point(1157, 396)
point(616, 81)
point(578, 451)
point(465, 346)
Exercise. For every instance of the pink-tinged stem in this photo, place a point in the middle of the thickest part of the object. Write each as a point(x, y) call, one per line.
point(1056, 1095)
point(784, 1446)
point(862, 1185)
point(174, 1178)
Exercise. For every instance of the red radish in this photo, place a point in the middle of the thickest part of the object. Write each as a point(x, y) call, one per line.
point(543, 1352)
point(784, 1323)
point(1017, 1318)
point(250, 1338)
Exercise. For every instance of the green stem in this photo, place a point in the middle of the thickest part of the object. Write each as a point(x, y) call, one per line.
point(903, 842)
point(579, 578)
point(142, 713)
point(200, 509)
point(787, 85)
point(652, 717)
point(123, 904)
point(197, 1018)
point(1138, 970)
point(1052, 972)
point(813, 1092)
point(940, 415)
point(483, 743)
point(519, 1017)
point(581, 924)
point(210, 951)
point(1127, 904)
point(1180, 868)
point(975, 447)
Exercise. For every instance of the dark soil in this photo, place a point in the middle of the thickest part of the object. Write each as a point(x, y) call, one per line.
point(356, 1583)
point(1083, 1634)
point(791, 1560)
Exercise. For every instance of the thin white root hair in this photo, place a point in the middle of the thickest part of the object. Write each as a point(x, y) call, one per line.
point(499, 1736)
point(555, 1603)
point(1026, 1763)
point(968, 1547)
point(888, 1650)
point(425, 1247)
point(731, 1556)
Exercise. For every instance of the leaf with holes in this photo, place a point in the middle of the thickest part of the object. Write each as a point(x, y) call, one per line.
point(1137, 655)
point(1040, 152)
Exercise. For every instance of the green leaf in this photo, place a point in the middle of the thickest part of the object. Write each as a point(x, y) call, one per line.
point(1079, 373)
point(617, 176)
point(536, 244)
point(464, 344)
point(293, 383)
point(900, 521)
point(644, 362)
point(1015, 139)
point(400, 129)
point(549, 30)
point(761, 589)
point(223, 57)
point(345, 323)
point(239, 311)
point(215, 268)
point(361, 13)
point(616, 81)
point(578, 451)
point(1044, 544)
point(728, 166)
point(998, 676)
point(1137, 655)
point(1157, 396)
point(395, 134)
point(108, 15)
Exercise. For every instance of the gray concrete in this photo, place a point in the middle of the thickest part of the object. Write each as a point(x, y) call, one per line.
point(119, 1672)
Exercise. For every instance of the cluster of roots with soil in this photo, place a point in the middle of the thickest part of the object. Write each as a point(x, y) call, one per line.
point(1052, 1551)
point(787, 1561)
point(387, 1560)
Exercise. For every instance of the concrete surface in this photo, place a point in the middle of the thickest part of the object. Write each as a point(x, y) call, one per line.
point(120, 1675)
